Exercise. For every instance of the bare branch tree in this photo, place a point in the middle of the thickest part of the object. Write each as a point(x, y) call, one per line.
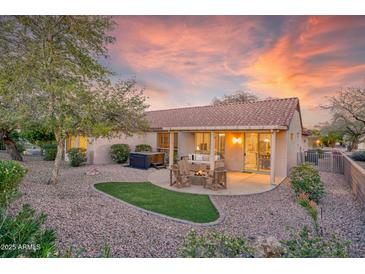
point(238, 96)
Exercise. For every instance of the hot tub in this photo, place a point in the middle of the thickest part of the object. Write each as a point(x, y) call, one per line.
point(145, 160)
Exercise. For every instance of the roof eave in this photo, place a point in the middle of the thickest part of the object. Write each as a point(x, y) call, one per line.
point(270, 127)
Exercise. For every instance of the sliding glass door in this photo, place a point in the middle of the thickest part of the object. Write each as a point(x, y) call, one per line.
point(257, 150)
point(251, 151)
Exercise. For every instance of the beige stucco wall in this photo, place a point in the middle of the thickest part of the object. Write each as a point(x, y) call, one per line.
point(305, 143)
point(234, 152)
point(186, 143)
point(281, 160)
point(295, 144)
point(101, 146)
point(286, 147)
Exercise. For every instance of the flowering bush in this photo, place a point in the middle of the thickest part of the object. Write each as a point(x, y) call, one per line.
point(306, 179)
point(11, 174)
point(311, 208)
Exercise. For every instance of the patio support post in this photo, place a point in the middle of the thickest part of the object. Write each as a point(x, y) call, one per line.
point(212, 147)
point(272, 157)
point(171, 149)
point(77, 141)
point(65, 150)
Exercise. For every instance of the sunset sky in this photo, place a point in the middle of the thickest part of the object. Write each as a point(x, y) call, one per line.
point(186, 61)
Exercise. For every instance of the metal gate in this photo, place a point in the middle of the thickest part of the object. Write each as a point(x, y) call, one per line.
point(328, 161)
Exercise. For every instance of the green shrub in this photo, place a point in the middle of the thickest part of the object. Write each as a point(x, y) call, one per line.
point(20, 147)
point(214, 245)
point(77, 156)
point(23, 235)
point(11, 174)
point(38, 136)
point(305, 244)
point(305, 178)
point(143, 147)
point(119, 153)
point(358, 156)
point(49, 152)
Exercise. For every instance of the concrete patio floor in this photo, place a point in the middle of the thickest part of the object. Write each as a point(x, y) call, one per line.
point(238, 183)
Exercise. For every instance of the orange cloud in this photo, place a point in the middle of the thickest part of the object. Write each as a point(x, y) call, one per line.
point(197, 57)
point(290, 67)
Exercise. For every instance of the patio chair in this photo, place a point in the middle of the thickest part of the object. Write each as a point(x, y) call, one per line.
point(184, 167)
point(182, 180)
point(218, 180)
point(217, 164)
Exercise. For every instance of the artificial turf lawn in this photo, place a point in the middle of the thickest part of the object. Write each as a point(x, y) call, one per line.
point(185, 206)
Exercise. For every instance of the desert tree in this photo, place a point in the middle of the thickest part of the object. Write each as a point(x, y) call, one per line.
point(352, 131)
point(349, 103)
point(239, 96)
point(348, 109)
point(15, 104)
point(67, 81)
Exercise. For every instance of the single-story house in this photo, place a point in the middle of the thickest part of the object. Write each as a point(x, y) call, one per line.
point(260, 137)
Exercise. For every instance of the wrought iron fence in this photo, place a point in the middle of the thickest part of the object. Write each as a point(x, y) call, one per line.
point(329, 161)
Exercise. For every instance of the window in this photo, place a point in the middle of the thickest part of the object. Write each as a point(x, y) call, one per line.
point(202, 142)
point(163, 144)
point(220, 143)
point(163, 140)
point(70, 142)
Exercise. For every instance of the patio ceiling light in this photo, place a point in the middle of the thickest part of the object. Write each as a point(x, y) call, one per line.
point(237, 140)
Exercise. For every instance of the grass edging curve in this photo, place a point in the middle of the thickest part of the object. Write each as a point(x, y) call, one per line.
point(220, 219)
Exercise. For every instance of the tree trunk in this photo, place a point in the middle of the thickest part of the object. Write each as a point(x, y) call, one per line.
point(10, 145)
point(352, 146)
point(57, 163)
point(11, 149)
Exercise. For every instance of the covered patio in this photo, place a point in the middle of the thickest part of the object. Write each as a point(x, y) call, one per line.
point(238, 183)
point(250, 149)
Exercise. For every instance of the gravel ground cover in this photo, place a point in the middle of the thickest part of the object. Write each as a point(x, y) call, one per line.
point(87, 219)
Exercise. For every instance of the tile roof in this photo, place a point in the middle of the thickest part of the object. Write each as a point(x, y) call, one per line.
point(269, 113)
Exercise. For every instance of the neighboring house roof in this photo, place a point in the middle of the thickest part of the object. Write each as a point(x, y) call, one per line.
point(306, 132)
point(263, 114)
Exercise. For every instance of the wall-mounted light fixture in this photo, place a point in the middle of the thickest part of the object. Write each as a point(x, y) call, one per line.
point(236, 140)
point(266, 140)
